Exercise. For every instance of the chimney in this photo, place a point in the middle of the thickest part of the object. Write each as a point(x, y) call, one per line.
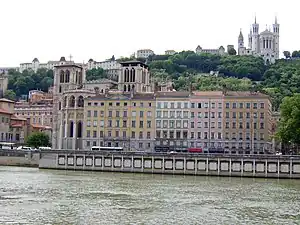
point(97, 90)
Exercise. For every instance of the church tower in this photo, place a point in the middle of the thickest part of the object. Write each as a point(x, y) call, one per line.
point(276, 38)
point(241, 43)
point(134, 75)
point(255, 36)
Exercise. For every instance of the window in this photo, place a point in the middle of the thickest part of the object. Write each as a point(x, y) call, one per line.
point(141, 113)
point(148, 135)
point(220, 105)
point(172, 123)
point(89, 113)
point(158, 123)
point(109, 113)
point(132, 134)
point(262, 115)
point(117, 113)
point(149, 104)
point(234, 125)
point(199, 135)
point(262, 105)
point(95, 113)
point(199, 124)
point(199, 105)
point(234, 105)
point(94, 134)
point(227, 115)
point(262, 125)
point(158, 114)
point(95, 123)
point(88, 133)
point(186, 105)
point(125, 114)
point(133, 123)
point(254, 105)
point(141, 124)
point(149, 114)
point(165, 105)
point(248, 105)
point(219, 125)
point(88, 124)
point(141, 135)
point(158, 105)
point(101, 123)
point(219, 114)
point(241, 115)
point(241, 105)
point(193, 105)
point(117, 123)
point(219, 135)
point(148, 124)
point(192, 124)
point(241, 125)
point(213, 105)
point(124, 123)
point(234, 115)
point(199, 115)
point(124, 134)
point(227, 105)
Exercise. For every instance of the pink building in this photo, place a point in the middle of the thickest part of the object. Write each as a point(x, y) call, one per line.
point(206, 108)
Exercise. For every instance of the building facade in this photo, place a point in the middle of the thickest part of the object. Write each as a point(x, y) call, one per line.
point(144, 53)
point(172, 121)
point(264, 44)
point(206, 120)
point(123, 120)
point(247, 122)
point(217, 51)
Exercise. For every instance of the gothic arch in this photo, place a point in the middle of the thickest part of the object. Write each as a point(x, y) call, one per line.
point(80, 78)
point(126, 75)
point(79, 129)
point(76, 77)
point(80, 101)
point(59, 105)
point(65, 101)
point(67, 76)
point(71, 131)
point(125, 88)
point(133, 75)
point(59, 89)
point(129, 87)
point(62, 76)
point(72, 102)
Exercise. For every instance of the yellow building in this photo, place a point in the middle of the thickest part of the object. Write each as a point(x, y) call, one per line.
point(116, 119)
point(247, 124)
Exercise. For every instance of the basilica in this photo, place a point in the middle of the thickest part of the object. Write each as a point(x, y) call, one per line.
point(264, 44)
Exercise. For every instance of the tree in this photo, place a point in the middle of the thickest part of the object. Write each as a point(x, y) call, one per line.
point(95, 74)
point(289, 125)
point(38, 139)
point(287, 54)
point(232, 51)
point(10, 94)
point(296, 54)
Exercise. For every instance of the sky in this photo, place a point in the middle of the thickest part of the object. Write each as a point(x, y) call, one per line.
point(98, 29)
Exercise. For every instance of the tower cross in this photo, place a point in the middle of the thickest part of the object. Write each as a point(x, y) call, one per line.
point(70, 56)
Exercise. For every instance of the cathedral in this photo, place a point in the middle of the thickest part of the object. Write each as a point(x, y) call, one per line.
point(264, 44)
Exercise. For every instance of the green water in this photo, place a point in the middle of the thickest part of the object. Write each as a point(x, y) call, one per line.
point(32, 196)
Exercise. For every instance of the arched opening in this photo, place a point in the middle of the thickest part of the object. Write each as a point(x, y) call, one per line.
point(102, 91)
point(76, 78)
point(128, 87)
point(133, 75)
point(133, 87)
point(62, 76)
point(72, 102)
point(124, 87)
point(144, 89)
point(79, 129)
point(126, 75)
point(80, 78)
point(59, 89)
point(65, 101)
point(67, 76)
point(59, 105)
point(80, 102)
point(71, 129)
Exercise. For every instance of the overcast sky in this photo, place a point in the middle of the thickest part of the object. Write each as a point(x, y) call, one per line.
point(98, 29)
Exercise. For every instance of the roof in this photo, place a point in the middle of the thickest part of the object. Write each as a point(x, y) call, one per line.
point(62, 59)
point(6, 100)
point(35, 60)
point(101, 81)
point(133, 62)
point(68, 65)
point(266, 32)
point(207, 93)
point(121, 96)
point(241, 37)
point(16, 125)
point(245, 94)
point(3, 111)
point(37, 126)
point(173, 94)
point(15, 117)
point(91, 60)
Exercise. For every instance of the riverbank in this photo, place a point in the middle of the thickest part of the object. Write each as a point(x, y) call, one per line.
point(264, 166)
point(21, 159)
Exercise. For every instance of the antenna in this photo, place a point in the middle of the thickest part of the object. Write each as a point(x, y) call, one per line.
point(70, 56)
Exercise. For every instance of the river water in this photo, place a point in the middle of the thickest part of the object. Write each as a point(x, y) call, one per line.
point(32, 196)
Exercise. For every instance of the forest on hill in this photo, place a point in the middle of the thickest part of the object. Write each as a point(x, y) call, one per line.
point(232, 72)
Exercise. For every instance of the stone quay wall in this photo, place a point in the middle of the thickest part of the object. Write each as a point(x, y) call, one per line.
point(183, 164)
point(19, 158)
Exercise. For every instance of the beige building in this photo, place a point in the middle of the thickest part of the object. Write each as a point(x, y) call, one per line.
point(217, 51)
point(123, 120)
point(3, 83)
point(170, 52)
point(247, 122)
point(144, 53)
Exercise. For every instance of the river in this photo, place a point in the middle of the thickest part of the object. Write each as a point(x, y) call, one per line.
point(33, 196)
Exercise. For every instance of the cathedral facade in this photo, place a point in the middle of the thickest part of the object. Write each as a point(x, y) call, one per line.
point(264, 44)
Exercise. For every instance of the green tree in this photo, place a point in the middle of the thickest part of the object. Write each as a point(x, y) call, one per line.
point(289, 125)
point(232, 51)
point(287, 54)
point(38, 139)
point(10, 94)
point(95, 74)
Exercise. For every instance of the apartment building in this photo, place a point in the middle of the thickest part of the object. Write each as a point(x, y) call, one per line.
point(247, 122)
point(116, 119)
point(172, 121)
point(206, 120)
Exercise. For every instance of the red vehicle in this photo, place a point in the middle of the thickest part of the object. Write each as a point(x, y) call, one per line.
point(195, 150)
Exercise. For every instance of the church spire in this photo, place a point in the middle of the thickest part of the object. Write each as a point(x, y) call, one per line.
point(255, 19)
point(275, 19)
